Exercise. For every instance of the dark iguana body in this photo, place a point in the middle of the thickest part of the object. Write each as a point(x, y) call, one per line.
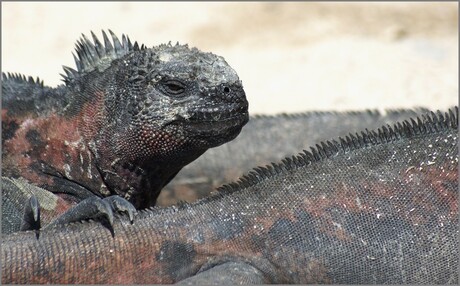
point(376, 207)
point(267, 139)
point(124, 124)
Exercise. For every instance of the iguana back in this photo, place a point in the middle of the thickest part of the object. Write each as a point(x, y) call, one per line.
point(375, 207)
point(270, 138)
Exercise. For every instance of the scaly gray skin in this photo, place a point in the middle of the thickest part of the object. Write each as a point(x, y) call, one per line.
point(276, 137)
point(126, 121)
point(267, 139)
point(375, 207)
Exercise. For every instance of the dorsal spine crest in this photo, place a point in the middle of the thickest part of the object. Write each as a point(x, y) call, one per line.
point(428, 123)
point(17, 77)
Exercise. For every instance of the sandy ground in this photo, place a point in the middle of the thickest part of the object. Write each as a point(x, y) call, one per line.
point(290, 56)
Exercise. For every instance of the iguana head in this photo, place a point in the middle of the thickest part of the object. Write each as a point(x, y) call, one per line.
point(152, 109)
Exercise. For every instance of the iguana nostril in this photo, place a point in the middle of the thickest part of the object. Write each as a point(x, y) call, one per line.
point(226, 89)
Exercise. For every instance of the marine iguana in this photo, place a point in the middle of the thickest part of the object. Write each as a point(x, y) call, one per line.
point(374, 207)
point(276, 137)
point(125, 122)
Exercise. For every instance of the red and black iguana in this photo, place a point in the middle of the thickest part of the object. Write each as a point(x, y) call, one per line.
point(125, 122)
point(375, 207)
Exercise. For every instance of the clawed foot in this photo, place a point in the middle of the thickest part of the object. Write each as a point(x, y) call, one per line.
point(121, 205)
point(96, 208)
point(90, 208)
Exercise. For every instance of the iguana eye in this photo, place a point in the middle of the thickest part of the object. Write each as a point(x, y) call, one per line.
point(174, 87)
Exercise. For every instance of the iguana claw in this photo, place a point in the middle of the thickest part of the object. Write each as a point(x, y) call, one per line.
point(31, 219)
point(95, 207)
point(121, 205)
point(90, 208)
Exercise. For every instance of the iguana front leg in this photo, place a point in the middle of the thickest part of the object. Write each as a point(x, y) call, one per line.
point(28, 207)
point(96, 208)
point(90, 208)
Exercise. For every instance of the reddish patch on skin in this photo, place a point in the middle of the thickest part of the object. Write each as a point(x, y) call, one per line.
point(345, 197)
point(16, 153)
point(50, 149)
point(61, 206)
point(56, 144)
point(435, 178)
point(423, 196)
point(92, 115)
point(151, 274)
point(60, 145)
point(4, 114)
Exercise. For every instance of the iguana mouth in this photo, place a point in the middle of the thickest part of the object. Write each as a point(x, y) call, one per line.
point(218, 114)
point(217, 126)
point(214, 121)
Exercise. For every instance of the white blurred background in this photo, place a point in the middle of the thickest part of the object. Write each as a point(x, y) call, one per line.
point(290, 56)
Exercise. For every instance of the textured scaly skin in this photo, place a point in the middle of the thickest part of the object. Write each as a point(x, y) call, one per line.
point(126, 121)
point(375, 207)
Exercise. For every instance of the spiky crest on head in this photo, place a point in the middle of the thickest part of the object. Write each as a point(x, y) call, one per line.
point(95, 55)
